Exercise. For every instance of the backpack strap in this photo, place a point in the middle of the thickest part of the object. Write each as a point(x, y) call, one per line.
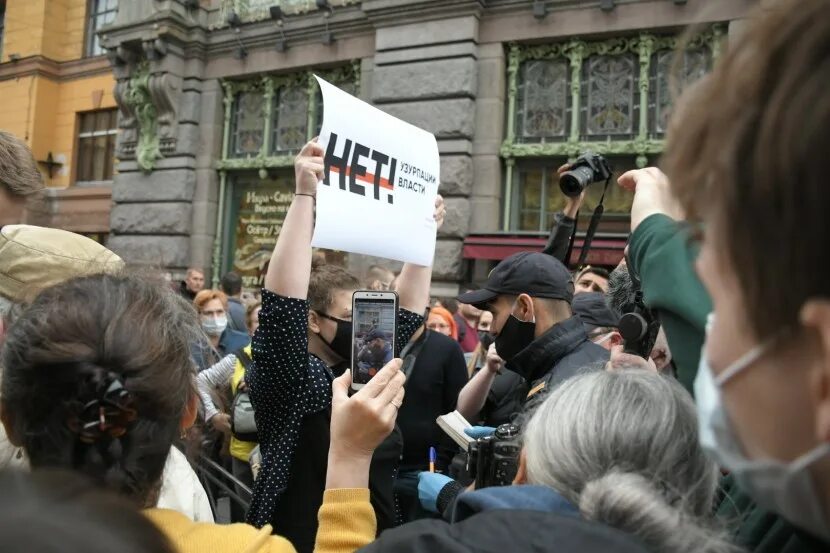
point(410, 353)
point(244, 358)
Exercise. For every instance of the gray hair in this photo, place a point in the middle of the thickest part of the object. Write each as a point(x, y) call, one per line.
point(623, 446)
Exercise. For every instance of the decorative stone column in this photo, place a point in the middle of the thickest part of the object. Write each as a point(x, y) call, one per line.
point(159, 92)
point(426, 73)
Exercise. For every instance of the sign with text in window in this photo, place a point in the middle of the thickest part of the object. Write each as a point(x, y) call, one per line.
point(381, 174)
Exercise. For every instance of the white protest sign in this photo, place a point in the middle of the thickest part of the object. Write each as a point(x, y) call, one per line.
point(378, 193)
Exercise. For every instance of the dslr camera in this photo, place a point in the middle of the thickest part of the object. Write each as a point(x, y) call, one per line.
point(587, 169)
point(494, 460)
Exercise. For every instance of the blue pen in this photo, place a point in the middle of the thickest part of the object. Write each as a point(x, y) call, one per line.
point(432, 457)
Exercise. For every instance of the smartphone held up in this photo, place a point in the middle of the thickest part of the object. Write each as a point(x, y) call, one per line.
point(374, 327)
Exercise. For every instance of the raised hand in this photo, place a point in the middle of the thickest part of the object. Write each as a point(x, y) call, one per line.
point(652, 195)
point(440, 210)
point(308, 168)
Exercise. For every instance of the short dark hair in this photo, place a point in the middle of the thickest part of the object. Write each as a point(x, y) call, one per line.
point(18, 168)
point(231, 284)
point(599, 271)
point(325, 280)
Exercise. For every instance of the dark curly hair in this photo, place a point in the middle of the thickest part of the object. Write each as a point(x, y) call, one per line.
point(114, 348)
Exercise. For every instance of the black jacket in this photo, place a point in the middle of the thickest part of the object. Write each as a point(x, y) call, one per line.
point(557, 355)
point(514, 519)
point(561, 236)
point(437, 376)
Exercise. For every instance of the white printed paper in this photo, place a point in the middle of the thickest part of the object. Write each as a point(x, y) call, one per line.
point(381, 180)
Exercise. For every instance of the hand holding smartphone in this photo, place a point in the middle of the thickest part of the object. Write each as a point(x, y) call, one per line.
point(374, 330)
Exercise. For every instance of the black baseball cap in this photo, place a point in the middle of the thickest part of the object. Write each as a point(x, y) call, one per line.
point(533, 273)
point(594, 312)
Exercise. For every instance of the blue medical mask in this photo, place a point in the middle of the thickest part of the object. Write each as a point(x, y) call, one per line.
point(786, 488)
point(214, 326)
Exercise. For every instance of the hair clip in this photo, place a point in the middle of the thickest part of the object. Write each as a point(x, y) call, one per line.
point(106, 416)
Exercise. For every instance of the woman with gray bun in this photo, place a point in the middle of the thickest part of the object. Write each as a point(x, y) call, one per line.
point(610, 462)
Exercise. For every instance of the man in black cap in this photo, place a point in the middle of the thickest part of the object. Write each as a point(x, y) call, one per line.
point(536, 332)
point(599, 320)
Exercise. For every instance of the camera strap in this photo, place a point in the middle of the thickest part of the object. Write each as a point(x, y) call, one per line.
point(592, 227)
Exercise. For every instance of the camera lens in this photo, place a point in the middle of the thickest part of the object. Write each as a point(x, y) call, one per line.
point(573, 182)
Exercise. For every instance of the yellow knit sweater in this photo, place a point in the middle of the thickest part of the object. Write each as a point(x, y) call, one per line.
point(347, 523)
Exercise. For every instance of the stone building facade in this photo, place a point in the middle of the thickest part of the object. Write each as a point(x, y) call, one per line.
point(216, 96)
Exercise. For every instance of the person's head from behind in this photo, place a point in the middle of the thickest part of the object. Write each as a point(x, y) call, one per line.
point(624, 450)
point(599, 320)
point(20, 179)
point(528, 293)
point(53, 511)
point(98, 379)
point(591, 279)
point(252, 317)
point(231, 284)
point(441, 320)
point(212, 306)
point(744, 157)
point(195, 280)
point(33, 258)
point(330, 291)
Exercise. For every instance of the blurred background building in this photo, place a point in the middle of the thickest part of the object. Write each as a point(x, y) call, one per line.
point(167, 128)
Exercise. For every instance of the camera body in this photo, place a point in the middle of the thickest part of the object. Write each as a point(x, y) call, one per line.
point(494, 460)
point(586, 170)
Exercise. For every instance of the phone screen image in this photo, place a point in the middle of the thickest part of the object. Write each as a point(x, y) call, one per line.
point(374, 337)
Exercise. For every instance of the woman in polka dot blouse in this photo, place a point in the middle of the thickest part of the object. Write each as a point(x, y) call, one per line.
point(300, 347)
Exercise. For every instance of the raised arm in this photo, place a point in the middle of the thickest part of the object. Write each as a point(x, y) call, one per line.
point(473, 396)
point(290, 267)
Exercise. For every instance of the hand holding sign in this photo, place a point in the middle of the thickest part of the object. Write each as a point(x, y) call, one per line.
point(380, 182)
point(440, 211)
point(308, 168)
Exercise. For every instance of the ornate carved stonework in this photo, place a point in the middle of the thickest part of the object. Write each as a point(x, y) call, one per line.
point(140, 101)
point(147, 96)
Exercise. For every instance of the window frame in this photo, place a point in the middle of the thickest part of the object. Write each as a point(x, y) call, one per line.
point(91, 28)
point(642, 142)
point(81, 136)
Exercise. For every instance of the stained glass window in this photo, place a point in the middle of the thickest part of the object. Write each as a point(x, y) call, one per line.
point(538, 196)
point(610, 105)
point(290, 119)
point(249, 128)
point(544, 100)
point(668, 71)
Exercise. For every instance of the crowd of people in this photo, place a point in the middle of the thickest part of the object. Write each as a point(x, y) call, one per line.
point(705, 429)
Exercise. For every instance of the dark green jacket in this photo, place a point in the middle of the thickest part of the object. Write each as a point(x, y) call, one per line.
point(659, 250)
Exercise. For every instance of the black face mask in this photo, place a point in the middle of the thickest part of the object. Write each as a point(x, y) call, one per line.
point(485, 338)
point(515, 336)
point(341, 344)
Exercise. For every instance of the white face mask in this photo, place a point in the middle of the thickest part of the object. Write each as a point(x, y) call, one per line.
point(786, 488)
point(214, 326)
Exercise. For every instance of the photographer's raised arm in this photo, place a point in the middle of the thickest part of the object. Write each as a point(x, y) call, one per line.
point(564, 224)
point(290, 267)
point(414, 281)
